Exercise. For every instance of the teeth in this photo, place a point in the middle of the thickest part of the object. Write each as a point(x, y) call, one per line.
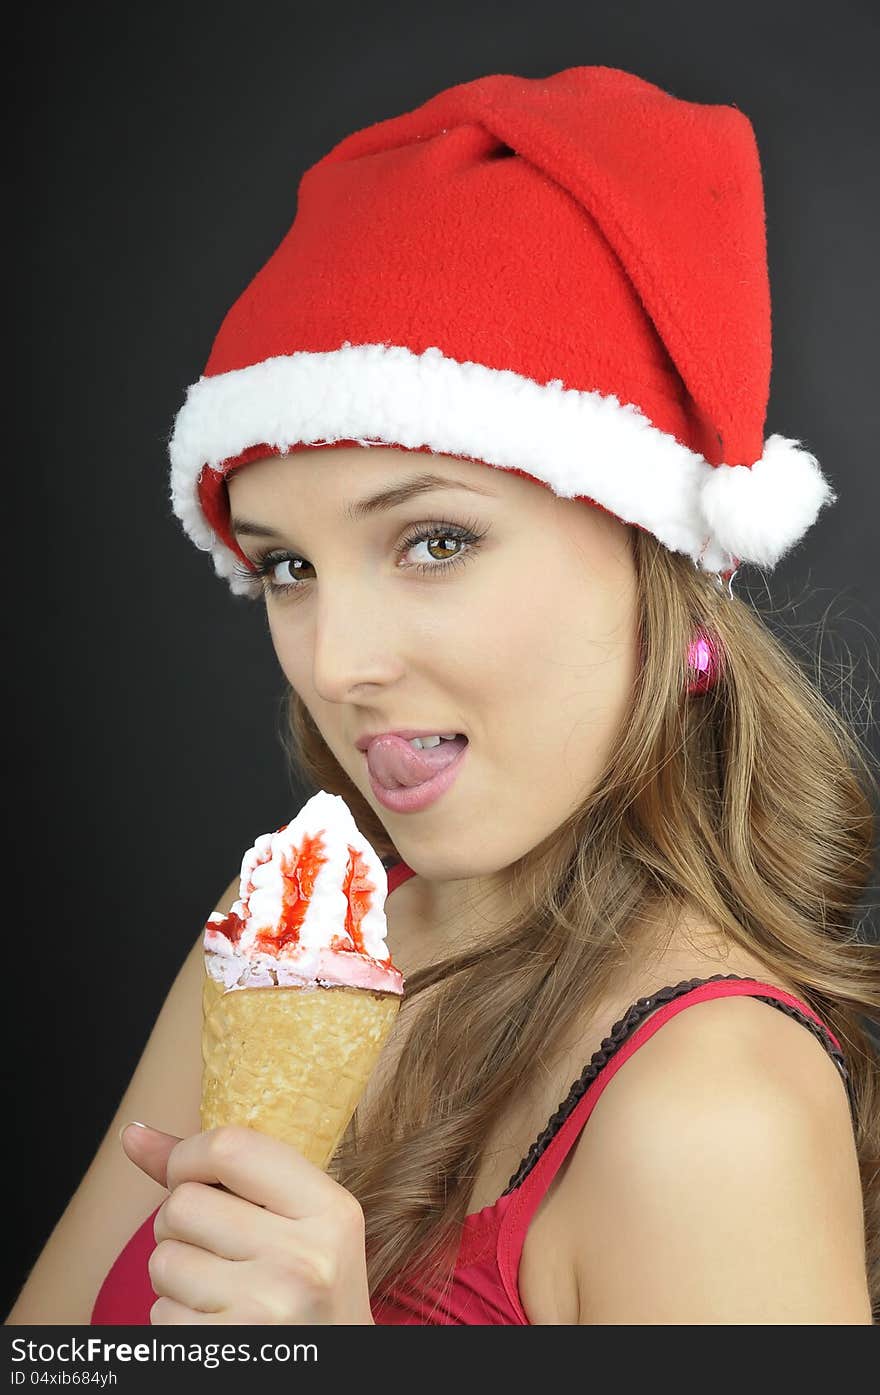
point(422, 743)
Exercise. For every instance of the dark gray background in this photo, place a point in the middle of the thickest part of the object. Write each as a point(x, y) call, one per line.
point(155, 157)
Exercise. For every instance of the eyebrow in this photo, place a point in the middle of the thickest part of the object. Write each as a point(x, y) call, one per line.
point(388, 499)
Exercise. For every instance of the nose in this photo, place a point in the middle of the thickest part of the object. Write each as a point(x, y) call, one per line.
point(353, 644)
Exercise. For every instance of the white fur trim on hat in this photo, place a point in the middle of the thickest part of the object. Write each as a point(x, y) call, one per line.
point(578, 443)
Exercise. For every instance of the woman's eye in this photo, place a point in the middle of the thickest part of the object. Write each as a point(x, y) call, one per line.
point(441, 548)
point(446, 545)
point(279, 577)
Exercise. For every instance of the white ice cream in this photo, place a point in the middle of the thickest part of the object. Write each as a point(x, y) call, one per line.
point(311, 908)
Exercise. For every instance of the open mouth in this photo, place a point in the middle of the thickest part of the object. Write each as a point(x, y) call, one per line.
point(395, 764)
point(415, 794)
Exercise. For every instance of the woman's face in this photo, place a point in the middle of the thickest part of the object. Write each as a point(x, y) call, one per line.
point(526, 640)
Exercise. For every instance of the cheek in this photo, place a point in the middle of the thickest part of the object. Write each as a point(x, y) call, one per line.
point(576, 644)
point(290, 652)
point(596, 664)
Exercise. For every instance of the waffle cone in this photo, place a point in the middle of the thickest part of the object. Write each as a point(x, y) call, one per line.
point(291, 1062)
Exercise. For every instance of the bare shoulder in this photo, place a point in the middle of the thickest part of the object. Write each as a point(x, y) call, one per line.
point(114, 1197)
point(717, 1180)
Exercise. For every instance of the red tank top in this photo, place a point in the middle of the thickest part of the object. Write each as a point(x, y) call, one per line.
point(485, 1289)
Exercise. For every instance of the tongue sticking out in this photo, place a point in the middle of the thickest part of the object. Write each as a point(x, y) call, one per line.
point(394, 762)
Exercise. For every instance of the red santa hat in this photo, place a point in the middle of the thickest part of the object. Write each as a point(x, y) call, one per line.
point(565, 277)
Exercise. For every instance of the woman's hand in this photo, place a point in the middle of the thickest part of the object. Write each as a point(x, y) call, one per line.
point(278, 1241)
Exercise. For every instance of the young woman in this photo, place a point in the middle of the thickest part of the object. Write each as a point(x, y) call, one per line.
point(486, 437)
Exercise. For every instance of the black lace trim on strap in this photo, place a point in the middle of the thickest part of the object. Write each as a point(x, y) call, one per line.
point(625, 1028)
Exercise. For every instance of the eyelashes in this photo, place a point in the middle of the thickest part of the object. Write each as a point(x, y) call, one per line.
point(470, 534)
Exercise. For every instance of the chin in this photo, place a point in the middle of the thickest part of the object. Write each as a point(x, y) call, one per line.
point(434, 865)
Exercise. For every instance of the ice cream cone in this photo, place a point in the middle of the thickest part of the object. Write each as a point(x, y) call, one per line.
point(300, 992)
point(289, 1061)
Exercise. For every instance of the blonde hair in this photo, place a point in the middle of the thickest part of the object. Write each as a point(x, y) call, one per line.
point(751, 803)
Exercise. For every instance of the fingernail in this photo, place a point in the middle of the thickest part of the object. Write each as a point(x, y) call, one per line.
point(136, 1123)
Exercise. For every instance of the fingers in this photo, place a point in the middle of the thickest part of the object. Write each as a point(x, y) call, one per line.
point(216, 1220)
point(148, 1148)
point(252, 1232)
point(167, 1312)
point(254, 1166)
point(189, 1276)
point(193, 1286)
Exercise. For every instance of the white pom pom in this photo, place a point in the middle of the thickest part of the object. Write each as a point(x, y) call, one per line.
point(758, 512)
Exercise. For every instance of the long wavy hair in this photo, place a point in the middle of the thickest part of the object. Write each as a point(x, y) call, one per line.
point(752, 802)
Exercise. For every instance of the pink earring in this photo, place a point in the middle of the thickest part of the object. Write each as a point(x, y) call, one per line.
point(703, 662)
